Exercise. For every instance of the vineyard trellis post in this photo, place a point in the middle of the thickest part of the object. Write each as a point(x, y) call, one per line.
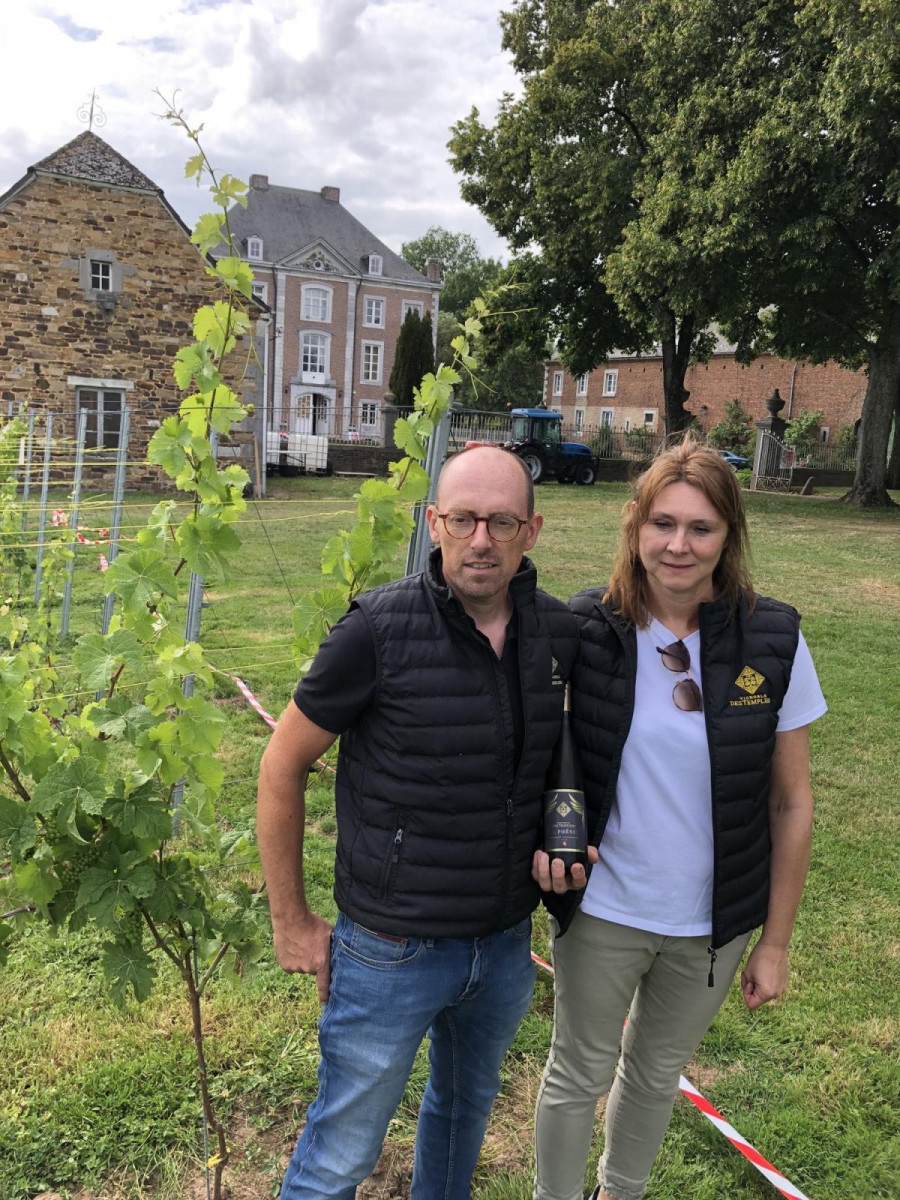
point(42, 519)
point(419, 542)
point(115, 525)
point(80, 436)
point(26, 475)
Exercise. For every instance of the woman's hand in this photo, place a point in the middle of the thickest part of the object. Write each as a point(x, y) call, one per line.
point(551, 876)
point(765, 977)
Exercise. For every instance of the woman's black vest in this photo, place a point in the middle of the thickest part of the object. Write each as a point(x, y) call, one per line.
point(435, 832)
point(746, 662)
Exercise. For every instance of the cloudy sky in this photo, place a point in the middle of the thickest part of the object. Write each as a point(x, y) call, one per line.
point(355, 93)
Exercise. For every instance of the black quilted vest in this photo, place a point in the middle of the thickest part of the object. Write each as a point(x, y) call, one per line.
point(435, 833)
point(746, 667)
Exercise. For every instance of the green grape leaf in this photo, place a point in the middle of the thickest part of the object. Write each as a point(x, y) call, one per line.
point(67, 789)
point(17, 826)
point(318, 611)
point(153, 535)
point(170, 446)
point(36, 880)
point(235, 274)
point(97, 658)
point(193, 168)
point(139, 578)
point(196, 365)
point(415, 486)
point(205, 541)
point(128, 966)
point(101, 891)
point(140, 814)
point(208, 229)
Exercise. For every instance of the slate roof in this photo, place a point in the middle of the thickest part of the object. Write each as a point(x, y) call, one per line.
point(289, 219)
point(89, 157)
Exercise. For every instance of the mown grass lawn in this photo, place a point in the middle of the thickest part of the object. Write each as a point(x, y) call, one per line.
point(98, 1099)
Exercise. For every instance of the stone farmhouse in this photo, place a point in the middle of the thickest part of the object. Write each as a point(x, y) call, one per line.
point(339, 297)
point(625, 393)
point(98, 286)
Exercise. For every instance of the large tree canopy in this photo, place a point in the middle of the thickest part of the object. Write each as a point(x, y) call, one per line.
point(674, 162)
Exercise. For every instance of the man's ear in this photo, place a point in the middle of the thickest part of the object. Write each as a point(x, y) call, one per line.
point(432, 519)
point(535, 522)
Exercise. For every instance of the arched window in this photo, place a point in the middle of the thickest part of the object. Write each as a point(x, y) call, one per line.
point(316, 305)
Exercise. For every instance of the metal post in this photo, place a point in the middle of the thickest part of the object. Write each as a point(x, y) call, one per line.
point(73, 521)
point(118, 502)
point(191, 634)
point(419, 542)
point(42, 519)
point(26, 481)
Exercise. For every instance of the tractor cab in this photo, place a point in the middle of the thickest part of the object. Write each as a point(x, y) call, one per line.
point(536, 436)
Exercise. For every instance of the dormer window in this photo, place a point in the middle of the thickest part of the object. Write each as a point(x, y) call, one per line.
point(375, 264)
point(254, 248)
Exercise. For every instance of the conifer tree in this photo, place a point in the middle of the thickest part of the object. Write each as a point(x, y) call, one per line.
point(413, 357)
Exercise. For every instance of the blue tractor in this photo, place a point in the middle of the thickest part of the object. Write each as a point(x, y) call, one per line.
point(537, 439)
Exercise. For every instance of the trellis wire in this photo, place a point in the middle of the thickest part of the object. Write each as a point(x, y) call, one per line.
point(42, 519)
point(118, 504)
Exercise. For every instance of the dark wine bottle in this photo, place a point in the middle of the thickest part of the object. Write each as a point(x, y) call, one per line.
point(565, 828)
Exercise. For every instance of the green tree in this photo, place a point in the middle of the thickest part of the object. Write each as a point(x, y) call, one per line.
point(735, 430)
point(802, 432)
point(568, 168)
point(794, 137)
point(413, 357)
point(466, 274)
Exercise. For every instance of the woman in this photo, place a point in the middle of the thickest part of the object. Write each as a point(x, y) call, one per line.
point(692, 701)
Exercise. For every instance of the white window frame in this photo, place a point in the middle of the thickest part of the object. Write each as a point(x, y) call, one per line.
point(610, 382)
point(374, 301)
point(368, 414)
point(261, 291)
point(103, 396)
point(408, 305)
point(101, 275)
point(307, 375)
point(649, 416)
point(376, 264)
point(579, 420)
point(824, 434)
point(306, 290)
point(627, 425)
point(366, 374)
point(557, 383)
point(254, 248)
point(581, 385)
point(607, 416)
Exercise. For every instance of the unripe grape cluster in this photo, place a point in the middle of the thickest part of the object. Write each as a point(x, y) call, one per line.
point(74, 866)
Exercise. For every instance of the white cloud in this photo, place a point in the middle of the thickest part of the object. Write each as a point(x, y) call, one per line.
point(356, 93)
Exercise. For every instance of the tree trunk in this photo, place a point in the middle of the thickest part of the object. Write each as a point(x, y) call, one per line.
point(893, 470)
point(869, 488)
point(676, 353)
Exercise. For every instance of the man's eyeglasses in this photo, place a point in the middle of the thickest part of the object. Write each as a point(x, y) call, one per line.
point(686, 693)
point(502, 527)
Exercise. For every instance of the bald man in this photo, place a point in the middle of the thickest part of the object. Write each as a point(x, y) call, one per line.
point(446, 689)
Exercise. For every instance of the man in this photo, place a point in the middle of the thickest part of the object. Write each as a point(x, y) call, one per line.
point(447, 690)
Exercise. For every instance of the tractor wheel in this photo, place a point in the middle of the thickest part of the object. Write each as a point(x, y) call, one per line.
point(585, 474)
point(535, 465)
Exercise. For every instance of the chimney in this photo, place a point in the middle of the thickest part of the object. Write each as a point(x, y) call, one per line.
point(433, 270)
point(331, 193)
point(259, 182)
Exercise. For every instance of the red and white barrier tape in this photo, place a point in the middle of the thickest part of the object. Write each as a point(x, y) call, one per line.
point(252, 701)
point(774, 1176)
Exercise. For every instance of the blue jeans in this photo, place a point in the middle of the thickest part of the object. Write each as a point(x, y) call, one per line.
point(468, 995)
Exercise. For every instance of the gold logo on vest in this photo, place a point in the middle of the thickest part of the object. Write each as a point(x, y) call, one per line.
point(750, 681)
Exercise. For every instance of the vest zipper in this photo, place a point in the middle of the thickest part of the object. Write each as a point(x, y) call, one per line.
point(704, 676)
point(710, 979)
point(509, 776)
point(393, 859)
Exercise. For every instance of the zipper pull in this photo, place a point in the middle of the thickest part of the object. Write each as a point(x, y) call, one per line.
point(509, 807)
point(398, 838)
point(710, 981)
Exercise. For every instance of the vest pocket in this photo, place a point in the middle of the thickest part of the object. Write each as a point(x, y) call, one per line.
point(392, 859)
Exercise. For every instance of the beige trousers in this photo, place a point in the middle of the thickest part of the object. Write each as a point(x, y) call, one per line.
point(605, 972)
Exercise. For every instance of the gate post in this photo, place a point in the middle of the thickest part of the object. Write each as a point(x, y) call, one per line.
point(767, 456)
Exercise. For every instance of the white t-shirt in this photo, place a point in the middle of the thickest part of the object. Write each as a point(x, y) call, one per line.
point(656, 855)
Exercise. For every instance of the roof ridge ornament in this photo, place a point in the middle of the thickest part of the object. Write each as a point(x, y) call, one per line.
point(90, 113)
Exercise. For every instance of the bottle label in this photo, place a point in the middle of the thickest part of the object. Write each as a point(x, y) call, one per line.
point(564, 820)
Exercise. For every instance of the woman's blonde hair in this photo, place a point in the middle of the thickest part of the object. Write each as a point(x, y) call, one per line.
point(696, 464)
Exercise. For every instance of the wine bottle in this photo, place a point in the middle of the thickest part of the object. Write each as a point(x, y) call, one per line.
point(565, 828)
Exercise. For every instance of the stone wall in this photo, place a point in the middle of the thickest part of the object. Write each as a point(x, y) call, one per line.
point(52, 330)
